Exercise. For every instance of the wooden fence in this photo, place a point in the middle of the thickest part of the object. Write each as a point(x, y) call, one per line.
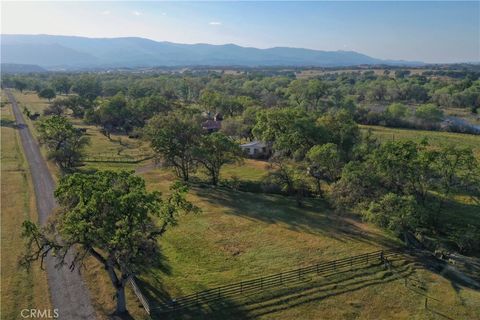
point(143, 300)
point(257, 285)
point(114, 159)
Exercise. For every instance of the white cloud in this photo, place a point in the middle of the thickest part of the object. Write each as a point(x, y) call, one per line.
point(215, 23)
point(106, 12)
point(164, 13)
point(136, 13)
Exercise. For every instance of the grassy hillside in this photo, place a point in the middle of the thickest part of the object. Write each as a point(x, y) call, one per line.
point(20, 289)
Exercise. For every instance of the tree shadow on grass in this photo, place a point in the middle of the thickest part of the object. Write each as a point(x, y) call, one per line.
point(313, 217)
point(307, 290)
point(7, 123)
point(362, 278)
point(457, 278)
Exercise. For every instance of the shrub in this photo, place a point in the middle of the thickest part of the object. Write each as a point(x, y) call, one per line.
point(394, 212)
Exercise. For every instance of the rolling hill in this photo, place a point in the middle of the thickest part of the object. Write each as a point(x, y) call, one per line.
point(71, 52)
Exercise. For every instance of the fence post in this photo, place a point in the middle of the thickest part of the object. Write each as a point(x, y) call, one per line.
point(426, 305)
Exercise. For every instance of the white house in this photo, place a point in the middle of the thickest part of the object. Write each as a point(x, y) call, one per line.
point(256, 149)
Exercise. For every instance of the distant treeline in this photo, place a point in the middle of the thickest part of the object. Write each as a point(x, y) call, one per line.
point(238, 96)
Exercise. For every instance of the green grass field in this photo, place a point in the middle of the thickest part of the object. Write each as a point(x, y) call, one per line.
point(435, 138)
point(20, 289)
point(241, 235)
point(119, 147)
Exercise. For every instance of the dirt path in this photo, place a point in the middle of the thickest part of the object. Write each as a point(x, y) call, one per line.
point(67, 290)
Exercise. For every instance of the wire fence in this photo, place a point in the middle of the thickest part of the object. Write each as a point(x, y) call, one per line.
point(257, 285)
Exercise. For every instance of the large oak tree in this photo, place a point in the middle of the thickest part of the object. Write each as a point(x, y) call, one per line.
point(110, 216)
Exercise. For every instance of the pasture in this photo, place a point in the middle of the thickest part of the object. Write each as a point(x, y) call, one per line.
point(243, 235)
point(434, 138)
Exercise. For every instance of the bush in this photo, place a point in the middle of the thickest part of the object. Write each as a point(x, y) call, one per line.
point(429, 113)
point(394, 212)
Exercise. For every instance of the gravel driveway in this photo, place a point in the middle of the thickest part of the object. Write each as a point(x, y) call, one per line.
point(67, 290)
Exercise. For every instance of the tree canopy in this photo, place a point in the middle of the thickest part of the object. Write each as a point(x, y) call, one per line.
point(64, 142)
point(110, 216)
point(175, 138)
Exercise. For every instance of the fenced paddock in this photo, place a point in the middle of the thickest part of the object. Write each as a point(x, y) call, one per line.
point(257, 285)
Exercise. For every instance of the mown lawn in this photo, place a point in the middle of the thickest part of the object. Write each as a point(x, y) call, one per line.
point(20, 289)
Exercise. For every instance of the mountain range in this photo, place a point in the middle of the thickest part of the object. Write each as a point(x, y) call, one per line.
point(71, 52)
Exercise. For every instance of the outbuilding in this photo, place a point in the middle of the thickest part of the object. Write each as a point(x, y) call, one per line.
point(256, 149)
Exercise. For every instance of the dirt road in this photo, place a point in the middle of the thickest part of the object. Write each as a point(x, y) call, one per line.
point(67, 290)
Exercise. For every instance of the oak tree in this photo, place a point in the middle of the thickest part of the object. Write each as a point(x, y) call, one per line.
point(110, 216)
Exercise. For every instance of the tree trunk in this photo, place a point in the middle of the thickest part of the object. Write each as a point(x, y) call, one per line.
point(121, 301)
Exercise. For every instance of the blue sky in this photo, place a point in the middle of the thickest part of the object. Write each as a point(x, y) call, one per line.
point(425, 31)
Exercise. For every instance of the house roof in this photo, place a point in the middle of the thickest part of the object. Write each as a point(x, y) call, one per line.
point(259, 144)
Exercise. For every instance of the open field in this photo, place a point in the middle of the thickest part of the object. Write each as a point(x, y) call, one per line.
point(242, 235)
point(120, 146)
point(20, 289)
point(435, 138)
point(31, 101)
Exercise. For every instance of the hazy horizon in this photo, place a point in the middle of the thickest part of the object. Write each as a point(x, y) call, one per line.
point(432, 32)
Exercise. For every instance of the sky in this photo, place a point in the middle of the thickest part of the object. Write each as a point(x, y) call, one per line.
point(430, 31)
